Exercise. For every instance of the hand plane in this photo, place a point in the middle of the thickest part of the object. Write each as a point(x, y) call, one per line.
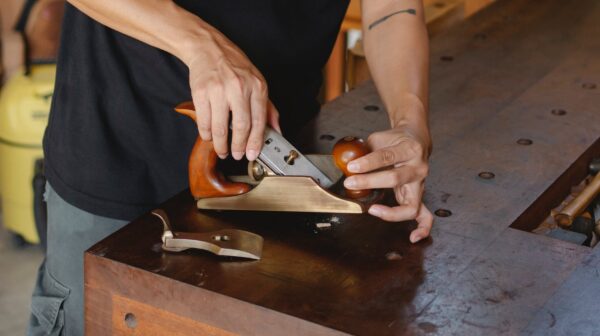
point(281, 179)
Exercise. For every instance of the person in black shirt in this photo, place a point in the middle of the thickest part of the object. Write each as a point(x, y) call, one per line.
point(114, 148)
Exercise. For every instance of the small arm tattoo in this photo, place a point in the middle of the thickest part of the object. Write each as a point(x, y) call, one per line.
point(407, 11)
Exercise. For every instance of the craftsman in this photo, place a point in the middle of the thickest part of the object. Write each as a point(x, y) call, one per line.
point(114, 148)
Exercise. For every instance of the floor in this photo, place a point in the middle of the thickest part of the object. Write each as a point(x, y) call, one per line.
point(18, 268)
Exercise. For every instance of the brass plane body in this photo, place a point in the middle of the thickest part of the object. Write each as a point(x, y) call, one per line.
point(291, 193)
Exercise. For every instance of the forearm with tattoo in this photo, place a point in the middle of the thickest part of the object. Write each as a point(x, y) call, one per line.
point(381, 20)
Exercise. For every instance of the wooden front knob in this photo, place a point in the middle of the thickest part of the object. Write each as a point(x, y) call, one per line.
point(345, 150)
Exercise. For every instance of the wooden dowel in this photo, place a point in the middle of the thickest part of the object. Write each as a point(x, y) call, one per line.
point(566, 216)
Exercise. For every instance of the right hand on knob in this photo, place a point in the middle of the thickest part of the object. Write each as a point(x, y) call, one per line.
point(399, 160)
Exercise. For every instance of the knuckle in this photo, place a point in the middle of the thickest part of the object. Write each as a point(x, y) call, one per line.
point(396, 178)
point(219, 131)
point(387, 157)
point(259, 117)
point(204, 128)
point(412, 212)
point(260, 85)
point(236, 82)
point(427, 216)
point(241, 127)
point(200, 93)
point(414, 149)
point(423, 171)
point(372, 138)
point(258, 121)
point(216, 90)
point(254, 143)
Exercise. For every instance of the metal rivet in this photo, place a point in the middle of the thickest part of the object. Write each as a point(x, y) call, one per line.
point(130, 320)
point(558, 112)
point(524, 142)
point(447, 58)
point(443, 213)
point(291, 157)
point(371, 108)
point(327, 137)
point(393, 255)
point(589, 86)
point(487, 175)
point(221, 238)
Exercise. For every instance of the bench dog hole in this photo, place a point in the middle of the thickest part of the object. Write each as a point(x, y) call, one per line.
point(524, 142)
point(487, 175)
point(443, 213)
point(130, 320)
point(589, 86)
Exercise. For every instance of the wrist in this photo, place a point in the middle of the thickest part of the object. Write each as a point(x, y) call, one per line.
point(408, 109)
point(194, 42)
point(410, 115)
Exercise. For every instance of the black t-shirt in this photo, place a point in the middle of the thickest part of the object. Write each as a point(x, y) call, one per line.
point(115, 147)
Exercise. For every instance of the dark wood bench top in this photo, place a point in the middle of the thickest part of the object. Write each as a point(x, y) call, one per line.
point(494, 79)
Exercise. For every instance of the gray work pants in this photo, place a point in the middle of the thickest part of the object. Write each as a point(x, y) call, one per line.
point(57, 301)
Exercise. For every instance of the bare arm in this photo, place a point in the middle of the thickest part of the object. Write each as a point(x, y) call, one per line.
point(222, 79)
point(397, 51)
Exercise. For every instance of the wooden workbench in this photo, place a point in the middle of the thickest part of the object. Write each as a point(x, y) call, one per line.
point(495, 79)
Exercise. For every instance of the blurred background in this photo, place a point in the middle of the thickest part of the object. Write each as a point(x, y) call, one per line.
point(29, 39)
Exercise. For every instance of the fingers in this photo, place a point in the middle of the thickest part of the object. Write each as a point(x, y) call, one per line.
point(240, 123)
point(384, 157)
point(410, 208)
point(258, 102)
point(424, 224)
point(388, 178)
point(203, 115)
point(247, 100)
point(219, 123)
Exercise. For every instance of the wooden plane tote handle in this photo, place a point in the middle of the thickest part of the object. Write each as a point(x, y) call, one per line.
point(205, 180)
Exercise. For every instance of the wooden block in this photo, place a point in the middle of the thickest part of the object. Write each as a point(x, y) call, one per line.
point(134, 318)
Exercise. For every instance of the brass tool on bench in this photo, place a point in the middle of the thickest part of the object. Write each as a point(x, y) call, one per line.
point(566, 216)
point(284, 179)
point(227, 242)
